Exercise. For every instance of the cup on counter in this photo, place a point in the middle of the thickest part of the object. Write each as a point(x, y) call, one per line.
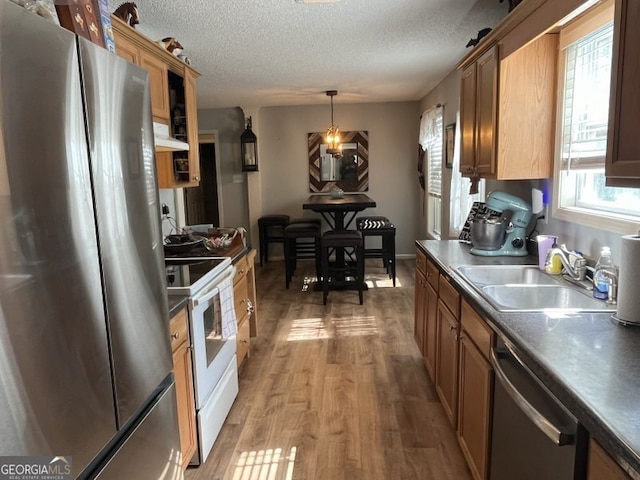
point(545, 242)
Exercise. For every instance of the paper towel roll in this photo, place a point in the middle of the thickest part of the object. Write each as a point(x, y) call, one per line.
point(629, 279)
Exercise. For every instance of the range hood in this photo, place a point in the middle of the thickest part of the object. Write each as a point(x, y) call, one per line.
point(164, 142)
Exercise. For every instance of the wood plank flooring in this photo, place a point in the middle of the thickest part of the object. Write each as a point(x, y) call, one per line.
point(334, 392)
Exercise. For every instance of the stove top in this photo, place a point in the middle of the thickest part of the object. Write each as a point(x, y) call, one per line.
point(189, 275)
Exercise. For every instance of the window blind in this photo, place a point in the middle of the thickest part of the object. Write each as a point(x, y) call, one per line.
point(434, 152)
point(585, 111)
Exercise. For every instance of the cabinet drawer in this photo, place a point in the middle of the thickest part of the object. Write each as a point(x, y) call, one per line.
point(478, 331)
point(178, 327)
point(432, 275)
point(243, 339)
point(421, 261)
point(449, 296)
point(240, 295)
point(241, 269)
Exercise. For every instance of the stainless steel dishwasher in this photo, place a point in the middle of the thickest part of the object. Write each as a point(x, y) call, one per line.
point(533, 435)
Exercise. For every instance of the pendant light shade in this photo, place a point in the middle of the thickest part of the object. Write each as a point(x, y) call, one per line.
point(249, 149)
point(333, 132)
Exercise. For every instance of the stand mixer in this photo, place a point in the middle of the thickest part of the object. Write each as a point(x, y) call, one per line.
point(515, 215)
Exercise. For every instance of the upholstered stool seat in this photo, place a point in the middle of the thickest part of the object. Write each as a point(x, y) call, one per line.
point(337, 276)
point(271, 230)
point(378, 226)
point(301, 241)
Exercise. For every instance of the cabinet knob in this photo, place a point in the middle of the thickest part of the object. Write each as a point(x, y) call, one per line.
point(244, 341)
point(196, 179)
point(452, 327)
point(175, 336)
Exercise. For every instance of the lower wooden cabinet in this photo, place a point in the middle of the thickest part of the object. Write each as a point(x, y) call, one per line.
point(475, 391)
point(420, 311)
point(430, 340)
point(183, 373)
point(244, 293)
point(602, 466)
point(447, 361)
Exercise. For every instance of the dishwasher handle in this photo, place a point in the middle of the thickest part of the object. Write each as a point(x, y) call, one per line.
point(544, 424)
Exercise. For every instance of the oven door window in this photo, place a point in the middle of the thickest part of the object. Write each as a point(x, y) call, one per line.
point(212, 324)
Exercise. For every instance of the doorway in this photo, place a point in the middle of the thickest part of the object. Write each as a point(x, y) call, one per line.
point(203, 204)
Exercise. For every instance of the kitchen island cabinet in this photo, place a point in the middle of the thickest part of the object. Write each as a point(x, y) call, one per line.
point(575, 355)
point(183, 373)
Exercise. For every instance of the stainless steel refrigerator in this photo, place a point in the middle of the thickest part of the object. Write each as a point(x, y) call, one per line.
point(85, 360)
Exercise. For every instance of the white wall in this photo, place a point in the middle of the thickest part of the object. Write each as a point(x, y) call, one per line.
point(393, 139)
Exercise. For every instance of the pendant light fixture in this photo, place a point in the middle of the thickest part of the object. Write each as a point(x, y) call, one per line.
point(333, 132)
point(249, 149)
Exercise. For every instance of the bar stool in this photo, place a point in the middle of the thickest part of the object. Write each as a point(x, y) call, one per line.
point(270, 228)
point(336, 275)
point(380, 226)
point(301, 241)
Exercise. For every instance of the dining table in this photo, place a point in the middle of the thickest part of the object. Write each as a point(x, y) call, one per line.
point(339, 213)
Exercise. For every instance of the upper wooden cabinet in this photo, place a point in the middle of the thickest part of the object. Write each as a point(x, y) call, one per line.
point(478, 107)
point(623, 150)
point(507, 110)
point(173, 103)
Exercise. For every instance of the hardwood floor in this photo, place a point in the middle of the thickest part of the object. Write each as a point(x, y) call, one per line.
point(335, 392)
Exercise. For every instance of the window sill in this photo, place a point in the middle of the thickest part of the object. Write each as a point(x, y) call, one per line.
point(615, 223)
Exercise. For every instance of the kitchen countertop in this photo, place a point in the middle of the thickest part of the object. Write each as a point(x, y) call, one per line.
point(236, 251)
point(589, 362)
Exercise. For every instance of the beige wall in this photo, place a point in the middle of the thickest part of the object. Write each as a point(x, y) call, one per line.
point(393, 134)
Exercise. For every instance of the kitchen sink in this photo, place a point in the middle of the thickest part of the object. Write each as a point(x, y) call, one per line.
point(506, 274)
point(542, 297)
point(525, 288)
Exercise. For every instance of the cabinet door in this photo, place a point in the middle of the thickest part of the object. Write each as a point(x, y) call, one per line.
point(602, 466)
point(127, 50)
point(159, 86)
point(191, 113)
point(183, 373)
point(486, 111)
point(468, 120)
point(474, 407)
point(447, 362)
point(430, 340)
point(420, 304)
point(623, 150)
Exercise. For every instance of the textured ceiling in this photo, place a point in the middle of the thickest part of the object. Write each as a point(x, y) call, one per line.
point(254, 53)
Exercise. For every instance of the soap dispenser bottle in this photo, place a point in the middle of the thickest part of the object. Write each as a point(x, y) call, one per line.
point(604, 271)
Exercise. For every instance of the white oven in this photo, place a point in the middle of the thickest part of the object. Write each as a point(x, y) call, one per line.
point(212, 325)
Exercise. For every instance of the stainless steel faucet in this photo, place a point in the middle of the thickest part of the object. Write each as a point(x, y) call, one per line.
point(577, 271)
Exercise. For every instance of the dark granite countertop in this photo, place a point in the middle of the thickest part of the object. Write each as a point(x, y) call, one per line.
point(176, 303)
point(589, 362)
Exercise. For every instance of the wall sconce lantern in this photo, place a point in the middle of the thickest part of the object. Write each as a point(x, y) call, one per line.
point(249, 149)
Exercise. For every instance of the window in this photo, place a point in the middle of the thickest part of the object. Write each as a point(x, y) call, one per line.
point(431, 139)
point(585, 62)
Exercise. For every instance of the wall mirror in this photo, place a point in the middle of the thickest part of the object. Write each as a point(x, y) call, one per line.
point(348, 171)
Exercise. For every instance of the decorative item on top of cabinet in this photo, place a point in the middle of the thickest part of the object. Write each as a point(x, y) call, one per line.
point(475, 390)
point(622, 168)
point(183, 373)
point(173, 103)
